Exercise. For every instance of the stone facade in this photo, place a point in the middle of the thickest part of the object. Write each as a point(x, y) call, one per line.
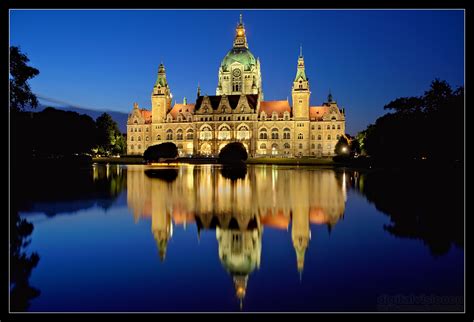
point(238, 112)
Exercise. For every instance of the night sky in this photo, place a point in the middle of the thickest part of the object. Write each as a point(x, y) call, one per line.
point(108, 59)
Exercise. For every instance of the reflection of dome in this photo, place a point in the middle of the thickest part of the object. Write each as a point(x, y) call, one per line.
point(240, 55)
point(239, 252)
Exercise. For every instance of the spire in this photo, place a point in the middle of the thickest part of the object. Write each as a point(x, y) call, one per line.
point(329, 96)
point(161, 80)
point(300, 71)
point(301, 50)
point(198, 90)
point(240, 40)
point(135, 106)
point(185, 102)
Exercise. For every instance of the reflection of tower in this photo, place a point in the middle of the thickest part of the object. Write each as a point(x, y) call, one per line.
point(300, 232)
point(161, 224)
point(239, 253)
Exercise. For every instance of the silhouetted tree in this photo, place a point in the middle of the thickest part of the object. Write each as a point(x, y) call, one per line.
point(415, 130)
point(20, 91)
point(342, 147)
point(110, 139)
point(233, 152)
point(154, 153)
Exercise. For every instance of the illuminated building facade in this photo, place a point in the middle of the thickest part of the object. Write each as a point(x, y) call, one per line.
point(238, 112)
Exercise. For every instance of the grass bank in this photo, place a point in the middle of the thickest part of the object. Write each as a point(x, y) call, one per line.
point(292, 161)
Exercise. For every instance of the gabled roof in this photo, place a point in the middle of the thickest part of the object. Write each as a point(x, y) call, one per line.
point(146, 115)
point(275, 106)
point(233, 101)
point(317, 112)
point(181, 108)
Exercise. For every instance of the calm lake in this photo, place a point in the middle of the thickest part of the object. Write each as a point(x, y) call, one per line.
point(202, 238)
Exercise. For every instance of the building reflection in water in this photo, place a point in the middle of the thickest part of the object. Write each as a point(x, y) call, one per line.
point(238, 210)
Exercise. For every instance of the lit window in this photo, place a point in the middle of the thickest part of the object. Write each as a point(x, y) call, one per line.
point(300, 136)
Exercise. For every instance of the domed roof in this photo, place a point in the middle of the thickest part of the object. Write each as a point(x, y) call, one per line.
point(241, 55)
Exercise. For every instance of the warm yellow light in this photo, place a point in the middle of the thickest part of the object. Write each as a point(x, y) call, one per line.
point(240, 32)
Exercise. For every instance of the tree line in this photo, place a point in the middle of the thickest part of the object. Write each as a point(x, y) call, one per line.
point(52, 132)
point(427, 127)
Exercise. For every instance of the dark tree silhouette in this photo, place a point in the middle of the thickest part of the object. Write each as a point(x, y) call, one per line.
point(234, 152)
point(416, 128)
point(109, 137)
point(20, 91)
point(154, 153)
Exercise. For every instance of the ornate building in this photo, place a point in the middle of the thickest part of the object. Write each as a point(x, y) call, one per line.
point(238, 112)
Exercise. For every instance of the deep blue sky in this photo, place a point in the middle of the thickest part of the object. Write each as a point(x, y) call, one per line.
point(108, 59)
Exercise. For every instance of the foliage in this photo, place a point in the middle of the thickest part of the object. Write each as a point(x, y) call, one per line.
point(109, 138)
point(342, 146)
point(20, 91)
point(154, 153)
point(233, 152)
point(417, 129)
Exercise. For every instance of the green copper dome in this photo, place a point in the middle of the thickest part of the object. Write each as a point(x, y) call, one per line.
point(240, 55)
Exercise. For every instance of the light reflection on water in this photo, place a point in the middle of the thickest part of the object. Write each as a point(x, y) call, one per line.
point(249, 212)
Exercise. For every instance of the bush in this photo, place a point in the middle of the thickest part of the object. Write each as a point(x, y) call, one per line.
point(166, 150)
point(234, 152)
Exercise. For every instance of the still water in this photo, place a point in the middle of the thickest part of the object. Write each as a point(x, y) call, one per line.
point(267, 238)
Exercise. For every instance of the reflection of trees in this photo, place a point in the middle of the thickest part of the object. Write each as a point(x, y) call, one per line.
point(422, 204)
point(67, 189)
point(21, 264)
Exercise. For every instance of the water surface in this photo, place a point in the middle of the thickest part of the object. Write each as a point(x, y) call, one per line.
point(266, 238)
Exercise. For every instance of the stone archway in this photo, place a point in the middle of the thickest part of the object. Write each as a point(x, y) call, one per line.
point(205, 149)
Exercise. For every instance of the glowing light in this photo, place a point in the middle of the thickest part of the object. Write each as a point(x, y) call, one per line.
point(344, 149)
point(240, 32)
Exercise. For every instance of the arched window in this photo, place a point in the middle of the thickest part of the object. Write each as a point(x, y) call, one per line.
point(312, 127)
point(337, 136)
point(224, 133)
point(179, 134)
point(139, 147)
point(301, 145)
point(263, 134)
point(189, 134)
point(131, 139)
point(169, 134)
point(319, 137)
point(274, 148)
point(329, 136)
point(206, 133)
point(243, 133)
point(131, 147)
point(319, 127)
point(158, 137)
point(263, 146)
point(147, 138)
point(286, 145)
point(263, 116)
point(312, 137)
point(339, 126)
point(140, 129)
point(286, 133)
point(300, 136)
point(320, 146)
point(312, 146)
point(333, 127)
point(329, 127)
point(139, 138)
point(275, 134)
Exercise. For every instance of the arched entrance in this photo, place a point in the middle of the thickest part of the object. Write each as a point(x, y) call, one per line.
point(205, 149)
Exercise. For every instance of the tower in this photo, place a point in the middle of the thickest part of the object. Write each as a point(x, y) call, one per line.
point(239, 72)
point(160, 97)
point(300, 92)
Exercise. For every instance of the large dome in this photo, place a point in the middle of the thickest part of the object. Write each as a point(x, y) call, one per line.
point(240, 55)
